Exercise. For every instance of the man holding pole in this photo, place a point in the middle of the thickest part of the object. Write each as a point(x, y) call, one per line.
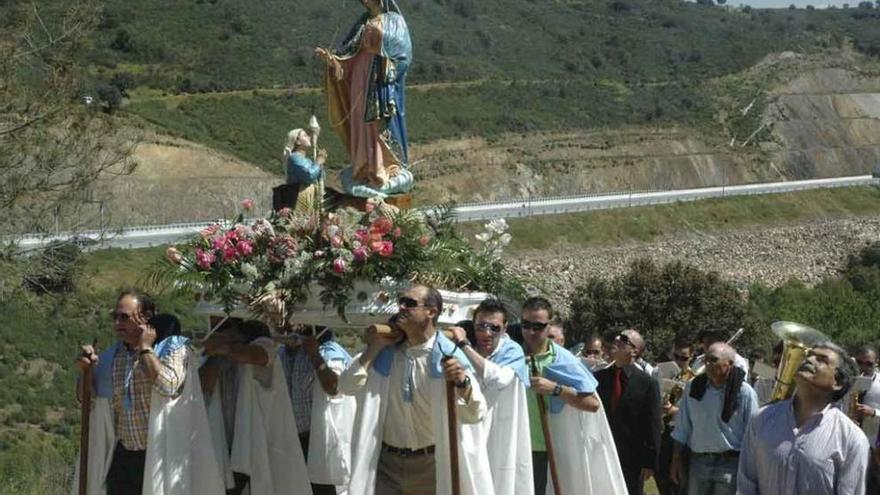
point(504, 377)
point(148, 431)
point(569, 439)
point(401, 441)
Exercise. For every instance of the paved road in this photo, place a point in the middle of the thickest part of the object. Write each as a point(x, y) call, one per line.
point(137, 237)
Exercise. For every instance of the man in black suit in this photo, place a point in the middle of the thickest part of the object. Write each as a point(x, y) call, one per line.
point(632, 403)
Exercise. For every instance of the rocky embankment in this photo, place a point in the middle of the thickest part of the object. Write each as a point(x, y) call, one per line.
point(772, 255)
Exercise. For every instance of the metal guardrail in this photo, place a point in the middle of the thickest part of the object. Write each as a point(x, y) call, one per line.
point(153, 235)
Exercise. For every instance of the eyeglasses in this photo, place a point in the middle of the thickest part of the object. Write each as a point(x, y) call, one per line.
point(591, 352)
point(534, 326)
point(485, 325)
point(712, 359)
point(117, 316)
point(680, 357)
point(408, 303)
point(623, 339)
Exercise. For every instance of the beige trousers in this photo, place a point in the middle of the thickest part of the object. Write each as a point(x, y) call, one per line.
point(413, 475)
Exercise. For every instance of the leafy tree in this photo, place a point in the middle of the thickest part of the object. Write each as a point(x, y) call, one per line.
point(665, 302)
point(54, 146)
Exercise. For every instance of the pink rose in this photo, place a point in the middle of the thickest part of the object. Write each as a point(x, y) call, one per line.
point(247, 204)
point(229, 253)
point(376, 246)
point(219, 242)
point(173, 255)
point(361, 235)
point(382, 226)
point(397, 233)
point(284, 212)
point(205, 259)
point(232, 235)
point(386, 249)
point(244, 248)
point(339, 266)
point(360, 253)
point(336, 241)
point(424, 240)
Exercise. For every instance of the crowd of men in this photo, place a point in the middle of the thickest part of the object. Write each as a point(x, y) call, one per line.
point(508, 408)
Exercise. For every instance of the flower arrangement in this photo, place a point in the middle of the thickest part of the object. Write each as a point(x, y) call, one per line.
point(271, 264)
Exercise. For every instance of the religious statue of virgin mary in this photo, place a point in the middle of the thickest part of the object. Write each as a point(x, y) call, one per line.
point(365, 83)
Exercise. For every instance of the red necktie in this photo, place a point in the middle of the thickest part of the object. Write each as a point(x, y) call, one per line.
point(618, 389)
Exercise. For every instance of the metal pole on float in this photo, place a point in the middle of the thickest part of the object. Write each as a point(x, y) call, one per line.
point(545, 427)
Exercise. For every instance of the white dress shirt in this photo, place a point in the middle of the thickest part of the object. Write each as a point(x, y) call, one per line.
point(408, 424)
point(827, 455)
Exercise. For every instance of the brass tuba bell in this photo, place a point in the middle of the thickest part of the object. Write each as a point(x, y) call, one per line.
point(797, 340)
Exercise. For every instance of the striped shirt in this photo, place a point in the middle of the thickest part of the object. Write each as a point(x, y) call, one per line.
point(827, 455)
point(131, 423)
point(300, 375)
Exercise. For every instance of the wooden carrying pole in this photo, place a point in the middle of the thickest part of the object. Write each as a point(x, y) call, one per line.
point(453, 438)
point(548, 441)
point(85, 413)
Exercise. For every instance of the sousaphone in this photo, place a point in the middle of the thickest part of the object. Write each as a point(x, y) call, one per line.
point(797, 340)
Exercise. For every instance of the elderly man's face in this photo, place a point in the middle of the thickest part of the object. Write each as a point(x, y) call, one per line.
point(127, 319)
point(819, 369)
point(717, 365)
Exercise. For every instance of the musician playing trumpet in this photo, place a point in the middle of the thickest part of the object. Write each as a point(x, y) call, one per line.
point(682, 355)
point(804, 444)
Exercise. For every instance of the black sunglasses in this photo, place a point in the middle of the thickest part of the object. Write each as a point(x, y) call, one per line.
point(864, 363)
point(592, 352)
point(622, 339)
point(485, 325)
point(534, 326)
point(408, 303)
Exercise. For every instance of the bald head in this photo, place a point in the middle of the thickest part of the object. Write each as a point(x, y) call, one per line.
point(722, 351)
point(635, 339)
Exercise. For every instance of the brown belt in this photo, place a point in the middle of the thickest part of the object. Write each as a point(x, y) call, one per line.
point(407, 452)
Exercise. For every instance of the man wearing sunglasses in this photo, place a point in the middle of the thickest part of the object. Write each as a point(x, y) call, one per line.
point(632, 400)
point(503, 375)
point(401, 434)
point(593, 354)
point(148, 428)
point(682, 354)
point(713, 414)
point(586, 459)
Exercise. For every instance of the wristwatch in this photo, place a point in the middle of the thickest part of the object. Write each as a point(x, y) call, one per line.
point(557, 390)
point(461, 344)
point(148, 350)
point(464, 383)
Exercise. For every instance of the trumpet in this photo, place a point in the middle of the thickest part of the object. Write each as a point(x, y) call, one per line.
point(684, 376)
point(797, 341)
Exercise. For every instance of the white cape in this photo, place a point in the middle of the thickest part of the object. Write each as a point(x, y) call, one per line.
point(265, 444)
point(330, 437)
point(509, 440)
point(179, 457)
point(585, 454)
point(476, 478)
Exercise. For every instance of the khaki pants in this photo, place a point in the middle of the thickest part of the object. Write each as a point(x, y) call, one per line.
point(412, 475)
